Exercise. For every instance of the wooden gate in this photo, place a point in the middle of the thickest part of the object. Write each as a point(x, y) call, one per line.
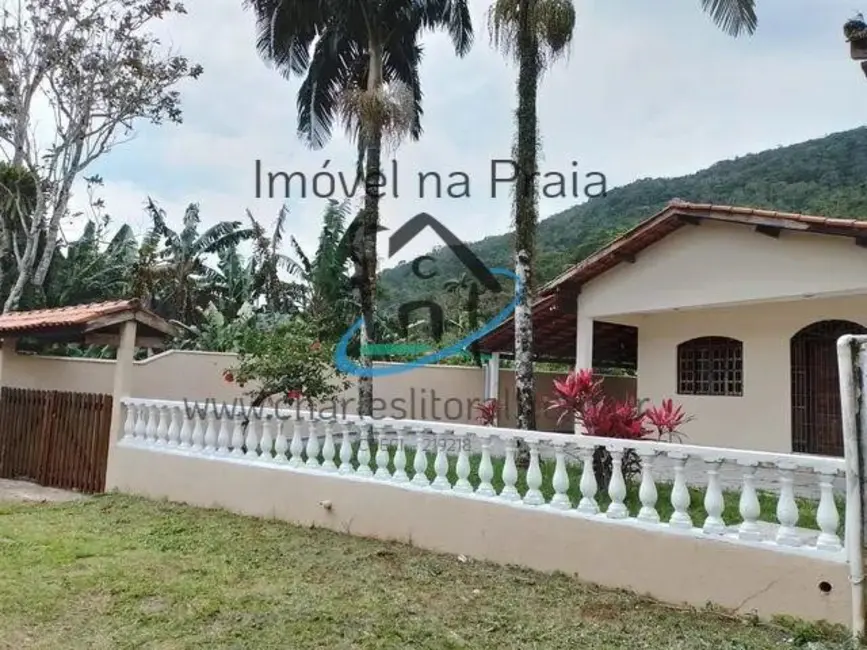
point(55, 438)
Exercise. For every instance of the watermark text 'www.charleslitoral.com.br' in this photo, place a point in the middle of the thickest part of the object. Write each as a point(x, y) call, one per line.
point(420, 404)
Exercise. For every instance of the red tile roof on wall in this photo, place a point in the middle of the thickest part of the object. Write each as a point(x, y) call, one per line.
point(64, 317)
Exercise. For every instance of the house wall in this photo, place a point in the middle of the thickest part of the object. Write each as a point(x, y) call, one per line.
point(760, 419)
point(424, 393)
point(721, 263)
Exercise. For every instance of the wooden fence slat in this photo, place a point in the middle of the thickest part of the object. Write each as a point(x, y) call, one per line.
point(59, 439)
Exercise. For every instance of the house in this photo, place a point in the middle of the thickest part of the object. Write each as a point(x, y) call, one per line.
point(733, 312)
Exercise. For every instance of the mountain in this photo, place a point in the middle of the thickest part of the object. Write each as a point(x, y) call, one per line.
point(826, 176)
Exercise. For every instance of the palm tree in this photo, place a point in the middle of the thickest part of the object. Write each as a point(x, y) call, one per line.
point(86, 271)
point(364, 69)
point(183, 274)
point(535, 33)
point(268, 262)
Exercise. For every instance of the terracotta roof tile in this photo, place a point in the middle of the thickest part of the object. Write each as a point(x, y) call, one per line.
point(63, 317)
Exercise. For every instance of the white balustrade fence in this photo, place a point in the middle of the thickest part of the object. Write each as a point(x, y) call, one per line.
point(481, 463)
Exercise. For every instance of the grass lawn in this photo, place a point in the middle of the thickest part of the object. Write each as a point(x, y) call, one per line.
point(121, 572)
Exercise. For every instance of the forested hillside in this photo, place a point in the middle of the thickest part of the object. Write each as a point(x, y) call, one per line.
point(827, 176)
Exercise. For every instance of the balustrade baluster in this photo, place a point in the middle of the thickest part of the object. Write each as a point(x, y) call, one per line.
point(281, 445)
point(588, 484)
point(419, 463)
point(560, 480)
point(174, 432)
point(382, 455)
point(185, 436)
point(510, 472)
point(749, 506)
point(533, 496)
point(827, 517)
point(462, 466)
point(139, 431)
point(198, 442)
point(211, 432)
point(237, 436)
point(441, 465)
point(647, 493)
point(266, 441)
point(153, 417)
point(787, 508)
point(328, 448)
point(251, 442)
point(346, 450)
point(616, 486)
point(163, 426)
point(296, 447)
point(129, 422)
point(364, 452)
point(713, 499)
point(224, 435)
point(400, 475)
point(486, 469)
point(313, 447)
point(680, 498)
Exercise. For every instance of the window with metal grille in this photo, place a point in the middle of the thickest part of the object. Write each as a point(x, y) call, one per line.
point(710, 365)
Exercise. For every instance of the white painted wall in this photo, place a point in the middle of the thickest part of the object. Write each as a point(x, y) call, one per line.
point(761, 418)
point(721, 263)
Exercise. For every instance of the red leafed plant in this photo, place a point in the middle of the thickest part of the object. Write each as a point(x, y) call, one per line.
point(667, 420)
point(614, 419)
point(575, 393)
point(487, 412)
point(580, 395)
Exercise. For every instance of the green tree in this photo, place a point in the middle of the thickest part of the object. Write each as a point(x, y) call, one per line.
point(286, 359)
point(268, 262)
point(535, 33)
point(184, 279)
point(364, 68)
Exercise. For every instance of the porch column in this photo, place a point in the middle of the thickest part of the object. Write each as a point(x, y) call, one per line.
point(584, 344)
point(583, 350)
point(122, 388)
point(494, 376)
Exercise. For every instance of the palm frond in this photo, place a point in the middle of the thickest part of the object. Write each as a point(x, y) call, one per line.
point(734, 17)
point(279, 227)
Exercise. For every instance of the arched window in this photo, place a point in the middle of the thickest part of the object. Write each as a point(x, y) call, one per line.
point(710, 365)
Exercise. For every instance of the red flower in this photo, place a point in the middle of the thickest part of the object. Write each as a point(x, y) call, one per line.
point(228, 376)
point(315, 346)
point(293, 395)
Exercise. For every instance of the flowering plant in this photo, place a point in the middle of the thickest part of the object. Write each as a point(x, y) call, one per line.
point(487, 412)
point(580, 395)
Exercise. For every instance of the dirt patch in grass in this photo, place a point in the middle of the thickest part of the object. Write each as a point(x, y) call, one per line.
point(26, 492)
point(120, 572)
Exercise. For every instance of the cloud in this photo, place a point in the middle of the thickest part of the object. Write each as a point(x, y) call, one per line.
point(650, 89)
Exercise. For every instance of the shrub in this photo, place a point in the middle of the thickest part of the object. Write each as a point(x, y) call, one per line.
point(580, 396)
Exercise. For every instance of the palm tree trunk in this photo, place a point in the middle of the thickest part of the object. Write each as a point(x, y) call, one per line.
point(370, 228)
point(525, 214)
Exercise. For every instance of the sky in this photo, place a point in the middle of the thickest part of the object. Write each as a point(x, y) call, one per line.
point(649, 89)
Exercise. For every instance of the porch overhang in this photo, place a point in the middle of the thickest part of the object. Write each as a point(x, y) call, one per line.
point(94, 323)
point(555, 328)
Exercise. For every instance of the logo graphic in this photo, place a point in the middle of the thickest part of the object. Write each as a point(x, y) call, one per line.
point(486, 277)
